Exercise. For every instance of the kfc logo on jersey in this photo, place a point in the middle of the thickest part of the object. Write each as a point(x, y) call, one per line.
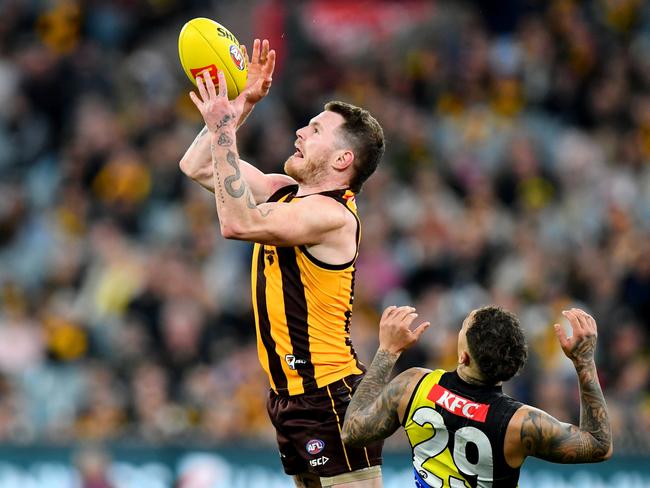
point(457, 404)
point(315, 446)
point(237, 58)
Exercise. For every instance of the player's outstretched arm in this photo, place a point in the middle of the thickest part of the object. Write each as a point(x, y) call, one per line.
point(541, 435)
point(197, 160)
point(373, 413)
point(308, 221)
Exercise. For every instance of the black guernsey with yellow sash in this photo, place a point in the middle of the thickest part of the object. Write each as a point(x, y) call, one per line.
point(457, 432)
point(302, 311)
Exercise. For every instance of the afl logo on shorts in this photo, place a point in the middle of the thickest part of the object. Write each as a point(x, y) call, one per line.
point(315, 446)
point(237, 58)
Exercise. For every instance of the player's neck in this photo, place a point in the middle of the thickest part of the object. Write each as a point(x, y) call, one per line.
point(304, 189)
point(470, 376)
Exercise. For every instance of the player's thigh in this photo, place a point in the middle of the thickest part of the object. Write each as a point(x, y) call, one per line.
point(307, 480)
point(373, 483)
point(360, 478)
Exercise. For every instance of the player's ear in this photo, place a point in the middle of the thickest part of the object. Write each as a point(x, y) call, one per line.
point(344, 160)
point(463, 358)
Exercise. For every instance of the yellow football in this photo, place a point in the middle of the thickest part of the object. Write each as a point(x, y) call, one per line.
point(204, 44)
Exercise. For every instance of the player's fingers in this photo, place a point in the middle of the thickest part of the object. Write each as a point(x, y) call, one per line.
point(202, 91)
point(585, 321)
point(387, 312)
point(244, 53)
point(209, 84)
point(407, 314)
point(561, 335)
point(419, 330)
point(270, 64)
point(581, 319)
point(256, 51)
point(592, 323)
point(223, 87)
point(265, 51)
point(195, 99)
point(573, 321)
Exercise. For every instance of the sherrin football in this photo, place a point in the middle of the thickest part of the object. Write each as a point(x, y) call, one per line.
point(204, 44)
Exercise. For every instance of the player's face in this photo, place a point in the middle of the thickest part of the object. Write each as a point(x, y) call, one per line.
point(317, 147)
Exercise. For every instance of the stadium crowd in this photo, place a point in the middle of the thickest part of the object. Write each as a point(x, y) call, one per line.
point(517, 173)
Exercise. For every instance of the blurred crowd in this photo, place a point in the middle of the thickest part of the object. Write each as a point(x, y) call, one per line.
point(517, 173)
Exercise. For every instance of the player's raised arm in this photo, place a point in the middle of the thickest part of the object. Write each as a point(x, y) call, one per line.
point(374, 412)
point(240, 216)
point(541, 435)
point(197, 160)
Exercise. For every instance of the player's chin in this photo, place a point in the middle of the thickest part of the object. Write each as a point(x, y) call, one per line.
point(291, 165)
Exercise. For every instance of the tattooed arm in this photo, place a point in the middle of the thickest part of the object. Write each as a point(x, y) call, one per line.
point(197, 164)
point(377, 405)
point(533, 432)
point(308, 221)
point(197, 160)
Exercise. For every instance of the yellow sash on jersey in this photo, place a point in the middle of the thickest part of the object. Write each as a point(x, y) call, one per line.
point(429, 438)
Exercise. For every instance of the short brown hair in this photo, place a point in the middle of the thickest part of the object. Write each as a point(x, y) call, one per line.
point(365, 136)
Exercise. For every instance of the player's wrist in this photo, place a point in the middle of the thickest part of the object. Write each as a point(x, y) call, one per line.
point(389, 351)
point(581, 363)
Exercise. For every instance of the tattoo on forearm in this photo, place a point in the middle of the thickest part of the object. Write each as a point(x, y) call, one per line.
point(229, 181)
point(543, 436)
point(372, 413)
point(224, 140)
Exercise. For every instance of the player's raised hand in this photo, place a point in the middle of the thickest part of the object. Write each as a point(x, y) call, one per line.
point(581, 345)
point(395, 334)
point(260, 71)
point(216, 109)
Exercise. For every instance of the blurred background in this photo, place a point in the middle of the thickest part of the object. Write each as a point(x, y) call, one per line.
point(517, 173)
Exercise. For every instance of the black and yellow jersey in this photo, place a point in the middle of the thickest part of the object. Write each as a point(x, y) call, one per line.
point(302, 311)
point(457, 432)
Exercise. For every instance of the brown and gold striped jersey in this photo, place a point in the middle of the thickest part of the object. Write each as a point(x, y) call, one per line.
point(302, 311)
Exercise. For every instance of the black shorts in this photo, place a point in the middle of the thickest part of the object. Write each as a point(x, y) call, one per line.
point(308, 430)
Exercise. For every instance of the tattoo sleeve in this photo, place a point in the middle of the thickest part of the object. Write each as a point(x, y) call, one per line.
point(372, 413)
point(545, 437)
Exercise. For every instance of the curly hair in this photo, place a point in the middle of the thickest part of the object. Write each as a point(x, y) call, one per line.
point(497, 343)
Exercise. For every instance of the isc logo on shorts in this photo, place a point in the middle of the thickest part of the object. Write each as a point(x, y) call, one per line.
point(319, 461)
point(315, 446)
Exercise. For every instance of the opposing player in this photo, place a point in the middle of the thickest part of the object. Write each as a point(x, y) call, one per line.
point(463, 430)
point(306, 230)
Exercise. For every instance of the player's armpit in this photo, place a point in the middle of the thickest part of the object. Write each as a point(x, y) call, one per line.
point(305, 222)
point(543, 436)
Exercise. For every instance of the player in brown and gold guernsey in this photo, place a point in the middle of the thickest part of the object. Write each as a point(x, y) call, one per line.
point(306, 232)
